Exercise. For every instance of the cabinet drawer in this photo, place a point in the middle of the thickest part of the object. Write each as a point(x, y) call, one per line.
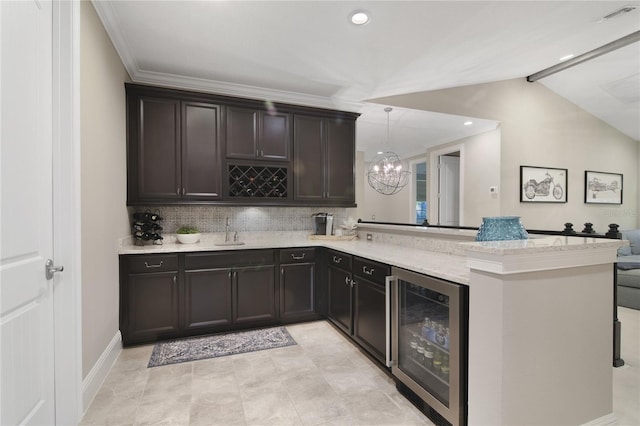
point(341, 260)
point(372, 271)
point(297, 255)
point(152, 263)
point(228, 259)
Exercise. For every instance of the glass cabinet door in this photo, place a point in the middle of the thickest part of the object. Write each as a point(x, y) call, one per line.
point(424, 337)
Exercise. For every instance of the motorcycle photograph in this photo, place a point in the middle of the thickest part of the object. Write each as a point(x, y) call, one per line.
point(533, 188)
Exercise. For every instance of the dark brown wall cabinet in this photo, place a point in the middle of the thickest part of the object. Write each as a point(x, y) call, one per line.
point(324, 158)
point(357, 302)
point(173, 149)
point(257, 135)
point(297, 284)
point(197, 148)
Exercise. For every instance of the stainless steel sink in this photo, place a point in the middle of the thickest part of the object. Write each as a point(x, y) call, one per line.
point(229, 243)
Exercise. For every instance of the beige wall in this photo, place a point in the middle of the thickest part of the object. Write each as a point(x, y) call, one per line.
point(385, 208)
point(103, 186)
point(540, 128)
point(481, 170)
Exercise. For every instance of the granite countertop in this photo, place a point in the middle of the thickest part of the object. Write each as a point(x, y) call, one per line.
point(452, 267)
point(446, 266)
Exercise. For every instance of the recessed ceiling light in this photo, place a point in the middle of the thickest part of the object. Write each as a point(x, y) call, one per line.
point(566, 57)
point(359, 17)
point(468, 123)
point(380, 152)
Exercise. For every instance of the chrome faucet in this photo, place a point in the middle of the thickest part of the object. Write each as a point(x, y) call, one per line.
point(226, 232)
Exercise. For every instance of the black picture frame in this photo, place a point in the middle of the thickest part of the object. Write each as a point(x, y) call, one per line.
point(543, 184)
point(603, 187)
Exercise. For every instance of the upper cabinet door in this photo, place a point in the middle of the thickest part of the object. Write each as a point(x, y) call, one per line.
point(157, 136)
point(242, 133)
point(257, 135)
point(308, 158)
point(200, 157)
point(275, 136)
point(340, 160)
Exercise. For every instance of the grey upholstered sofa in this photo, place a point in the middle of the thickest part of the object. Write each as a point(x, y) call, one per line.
point(629, 271)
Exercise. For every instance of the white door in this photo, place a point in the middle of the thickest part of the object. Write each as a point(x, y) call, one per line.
point(26, 296)
point(449, 190)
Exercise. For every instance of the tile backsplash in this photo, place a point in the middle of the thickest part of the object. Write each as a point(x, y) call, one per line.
point(241, 219)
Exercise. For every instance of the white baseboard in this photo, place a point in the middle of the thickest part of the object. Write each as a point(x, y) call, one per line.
point(608, 420)
point(91, 384)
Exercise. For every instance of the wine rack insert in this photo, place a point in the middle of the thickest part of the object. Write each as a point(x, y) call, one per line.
point(258, 181)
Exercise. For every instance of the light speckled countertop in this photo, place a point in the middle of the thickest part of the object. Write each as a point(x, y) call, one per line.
point(450, 267)
point(441, 265)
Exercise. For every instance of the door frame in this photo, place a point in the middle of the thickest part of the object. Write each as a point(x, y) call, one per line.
point(432, 181)
point(412, 187)
point(66, 212)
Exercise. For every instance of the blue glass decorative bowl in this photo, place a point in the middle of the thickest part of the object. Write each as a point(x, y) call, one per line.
point(501, 228)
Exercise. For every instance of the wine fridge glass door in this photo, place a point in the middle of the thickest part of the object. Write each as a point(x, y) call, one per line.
point(427, 349)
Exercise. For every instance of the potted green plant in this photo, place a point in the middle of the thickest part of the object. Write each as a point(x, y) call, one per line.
point(188, 234)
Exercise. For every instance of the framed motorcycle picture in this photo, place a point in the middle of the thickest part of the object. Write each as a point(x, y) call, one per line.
point(602, 188)
point(543, 185)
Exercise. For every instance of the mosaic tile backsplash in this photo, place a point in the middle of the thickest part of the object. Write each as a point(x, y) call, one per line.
point(241, 219)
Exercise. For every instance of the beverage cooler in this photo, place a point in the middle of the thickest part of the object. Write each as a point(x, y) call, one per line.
point(429, 325)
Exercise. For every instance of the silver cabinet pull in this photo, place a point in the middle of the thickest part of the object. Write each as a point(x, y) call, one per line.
point(174, 279)
point(281, 271)
point(294, 257)
point(229, 274)
point(346, 280)
point(353, 283)
point(337, 259)
point(367, 271)
point(146, 265)
point(178, 191)
point(49, 269)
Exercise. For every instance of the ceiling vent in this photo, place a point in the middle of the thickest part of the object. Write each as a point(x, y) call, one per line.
point(617, 13)
point(626, 90)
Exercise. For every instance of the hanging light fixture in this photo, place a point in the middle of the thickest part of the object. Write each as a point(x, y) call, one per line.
point(387, 173)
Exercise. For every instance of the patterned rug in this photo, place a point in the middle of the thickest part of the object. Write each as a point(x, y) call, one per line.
point(202, 347)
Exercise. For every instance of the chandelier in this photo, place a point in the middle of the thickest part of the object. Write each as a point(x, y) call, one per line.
point(387, 173)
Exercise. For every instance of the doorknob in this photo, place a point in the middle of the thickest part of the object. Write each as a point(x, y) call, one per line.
point(49, 269)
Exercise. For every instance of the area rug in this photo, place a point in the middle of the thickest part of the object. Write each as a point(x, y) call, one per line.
point(202, 347)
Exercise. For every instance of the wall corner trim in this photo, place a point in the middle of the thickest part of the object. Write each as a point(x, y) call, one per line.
point(96, 377)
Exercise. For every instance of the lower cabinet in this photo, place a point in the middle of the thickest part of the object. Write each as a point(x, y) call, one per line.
point(176, 295)
point(253, 294)
point(207, 299)
point(357, 300)
point(298, 284)
point(151, 298)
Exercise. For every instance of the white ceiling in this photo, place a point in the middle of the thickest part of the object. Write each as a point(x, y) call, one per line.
point(307, 52)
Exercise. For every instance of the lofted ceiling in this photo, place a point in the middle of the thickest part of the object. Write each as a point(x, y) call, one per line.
point(307, 52)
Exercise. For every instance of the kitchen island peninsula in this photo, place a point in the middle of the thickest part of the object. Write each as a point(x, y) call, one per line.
point(539, 338)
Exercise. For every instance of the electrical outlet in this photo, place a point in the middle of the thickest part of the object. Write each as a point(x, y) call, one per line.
point(369, 237)
point(493, 189)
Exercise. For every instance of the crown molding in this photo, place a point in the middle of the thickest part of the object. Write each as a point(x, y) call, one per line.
point(245, 91)
point(108, 17)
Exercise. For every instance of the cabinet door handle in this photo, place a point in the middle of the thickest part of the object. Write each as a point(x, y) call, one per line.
point(174, 279)
point(346, 280)
point(337, 259)
point(281, 271)
point(261, 153)
point(184, 191)
point(146, 265)
point(178, 191)
point(229, 274)
point(257, 153)
point(353, 283)
point(235, 274)
point(294, 257)
point(367, 271)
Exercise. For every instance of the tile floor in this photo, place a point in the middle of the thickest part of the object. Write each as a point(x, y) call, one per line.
point(324, 380)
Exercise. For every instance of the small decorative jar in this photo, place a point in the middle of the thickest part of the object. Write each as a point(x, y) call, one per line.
point(501, 228)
